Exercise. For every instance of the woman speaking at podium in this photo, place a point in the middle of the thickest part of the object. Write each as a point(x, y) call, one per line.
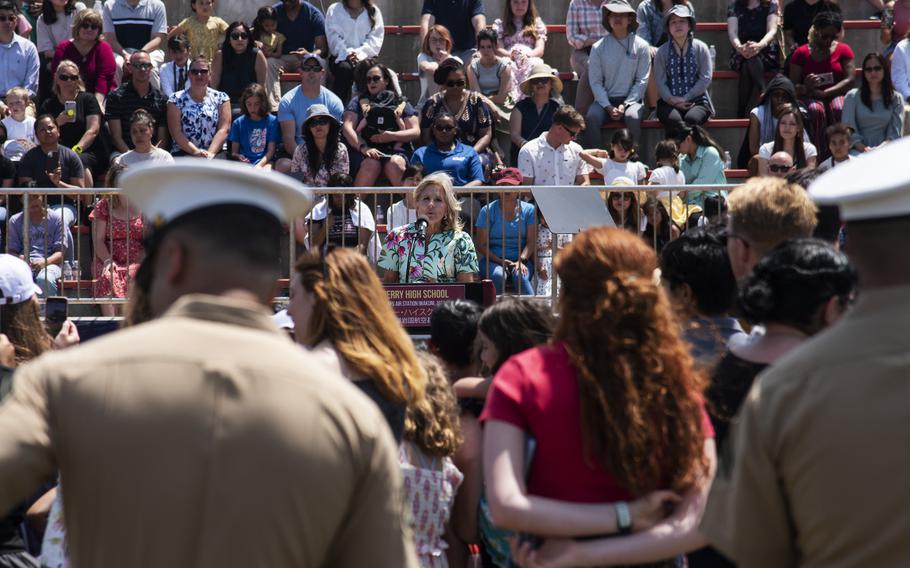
point(433, 249)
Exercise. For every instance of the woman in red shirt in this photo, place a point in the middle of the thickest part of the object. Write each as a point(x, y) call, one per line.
point(615, 410)
point(823, 71)
point(92, 54)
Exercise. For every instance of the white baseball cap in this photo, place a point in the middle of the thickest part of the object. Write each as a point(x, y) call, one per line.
point(16, 284)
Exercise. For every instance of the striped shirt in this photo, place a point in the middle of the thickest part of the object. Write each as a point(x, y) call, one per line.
point(583, 23)
point(134, 26)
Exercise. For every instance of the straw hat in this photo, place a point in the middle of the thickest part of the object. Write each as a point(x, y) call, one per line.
point(538, 71)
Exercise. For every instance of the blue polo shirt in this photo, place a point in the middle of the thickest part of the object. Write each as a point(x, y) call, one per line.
point(456, 16)
point(303, 30)
point(461, 162)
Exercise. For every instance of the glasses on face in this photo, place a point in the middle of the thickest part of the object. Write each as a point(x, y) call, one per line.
point(621, 196)
point(9, 19)
point(779, 169)
point(873, 68)
point(199, 72)
point(572, 133)
point(374, 78)
point(63, 77)
point(443, 127)
point(240, 35)
point(311, 68)
point(456, 83)
point(90, 26)
point(142, 66)
point(319, 121)
point(540, 81)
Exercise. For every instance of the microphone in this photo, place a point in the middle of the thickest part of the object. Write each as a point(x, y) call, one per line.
point(421, 225)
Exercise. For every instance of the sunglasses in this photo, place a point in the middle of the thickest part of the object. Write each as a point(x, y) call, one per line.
point(540, 81)
point(779, 169)
point(90, 26)
point(319, 121)
point(141, 66)
point(458, 83)
point(572, 133)
point(374, 78)
point(9, 19)
point(444, 127)
point(240, 35)
point(63, 77)
point(199, 72)
point(311, 68)
point(875, 68)
point(622, 196)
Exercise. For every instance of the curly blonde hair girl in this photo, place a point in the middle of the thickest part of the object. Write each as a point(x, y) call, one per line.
point(432, 423)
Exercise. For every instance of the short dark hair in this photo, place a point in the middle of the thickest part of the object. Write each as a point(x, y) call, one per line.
point(9, 6)
point(515, 325)
point(568, 116)
point(446, 68)
point(453, 328)
point(410, 170)
point(488, 35)
point(178, 43)
point(828, 223)
point(699, 259)
point(839, 129)
point(41, 116)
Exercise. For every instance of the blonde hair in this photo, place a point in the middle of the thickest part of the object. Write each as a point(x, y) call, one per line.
point(21, 92)
point(86, 16)
point(353, 313)
point(80, 84)
point(453, 208)
point(432, 422)
point(767, 211)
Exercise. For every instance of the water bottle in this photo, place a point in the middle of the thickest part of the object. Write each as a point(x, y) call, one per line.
point(380, 216)
point(67, 270)
point(728, 161)
point(98, 6)
point(713, 52)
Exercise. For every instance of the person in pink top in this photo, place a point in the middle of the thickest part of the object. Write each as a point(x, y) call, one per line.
point(93, 55)
point(608, 413)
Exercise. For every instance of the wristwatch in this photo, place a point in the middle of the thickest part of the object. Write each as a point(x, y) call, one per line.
point(623, 517)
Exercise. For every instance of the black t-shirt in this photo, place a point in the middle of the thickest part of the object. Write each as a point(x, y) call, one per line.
point(71, 133)
point(124, 101)
point(456, 16)
point(34, 165)
point(798, 16)
point(7, 169)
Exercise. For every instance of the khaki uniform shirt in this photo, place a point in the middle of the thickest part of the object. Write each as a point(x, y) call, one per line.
point(817, 472)
point(205, 439)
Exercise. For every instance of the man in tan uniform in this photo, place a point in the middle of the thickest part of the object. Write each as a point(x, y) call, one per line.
point(821, 448)
point(205, 438)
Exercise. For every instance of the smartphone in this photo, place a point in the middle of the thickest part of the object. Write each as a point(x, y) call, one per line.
point(55, 313)
point(70, 108)
point(825, 79)
point(53, 161)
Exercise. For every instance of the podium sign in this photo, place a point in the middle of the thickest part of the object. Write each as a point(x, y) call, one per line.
point(413, 303)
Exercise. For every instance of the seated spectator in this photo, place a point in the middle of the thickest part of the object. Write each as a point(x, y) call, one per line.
point(92, 55)
point(839, 137)
point(442, 252)
point(203, 29)
point(446, 154)
point(506, 236)
point(752, 29)
point(254, 135)
point(492, 76)
point(474, 121)
point(684, 98)
point(660, 229)
point(430, 479)
point(559, 393)
point(117, 237)
point(781, 165)
point(618, 72)
point(54, 26)
point(303, 27)
point(51, 165)
point(624, 207)
point(46, 242)
point(19, 125)
point(198, 118)
point(20, 56)
point(136, 93)
point(874, 111)
point(798, 18)
point(80, 125)
point(823, 71)
point(763, 118)
point(355, 33)
point(404, 211)
point(131, 27)
point(266, 34)
point(453, 328)
point(237, 65)
point(701, 162)
point(142, 131)
point(463, 18)
point(340, 220)
point(620, 161)
point(321, 155)
point(652, 27)
point(175, 74)
point(436, 47)
point(790, 138)
point(522, 38)
point(533, 115)
point(382, 126)
point(553, 158)
point(584, 28)
point(294, 107)
point(342, 316)
point(696, 270)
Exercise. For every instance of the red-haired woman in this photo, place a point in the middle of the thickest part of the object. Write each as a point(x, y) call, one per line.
point(614, 411)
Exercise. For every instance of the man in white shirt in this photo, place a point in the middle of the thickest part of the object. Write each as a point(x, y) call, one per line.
point(553, 158)
point(18, 56)
point(136, 25)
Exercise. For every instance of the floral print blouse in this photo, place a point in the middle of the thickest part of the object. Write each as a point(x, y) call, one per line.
point(199, 121)
point(518, 38)
point(301, 163)
point(446, 255)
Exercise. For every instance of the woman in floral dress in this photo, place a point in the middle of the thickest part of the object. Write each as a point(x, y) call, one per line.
point(445, 254)
point(117, 236)
point(522, 37)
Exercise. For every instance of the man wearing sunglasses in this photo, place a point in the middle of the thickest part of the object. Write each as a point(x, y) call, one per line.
point(781, 165)
point(554, 158)
point(136, 93)
point(18, 56)
point(304, 27)
point(136, 25)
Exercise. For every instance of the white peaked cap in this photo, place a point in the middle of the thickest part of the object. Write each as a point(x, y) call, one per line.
point(874, 185)
point(165, 192)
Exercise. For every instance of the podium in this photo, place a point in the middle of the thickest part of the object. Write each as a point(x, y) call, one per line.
point(414, 303)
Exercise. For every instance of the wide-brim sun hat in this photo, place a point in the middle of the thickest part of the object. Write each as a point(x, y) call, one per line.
point(318, 110)
point(540, 71)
